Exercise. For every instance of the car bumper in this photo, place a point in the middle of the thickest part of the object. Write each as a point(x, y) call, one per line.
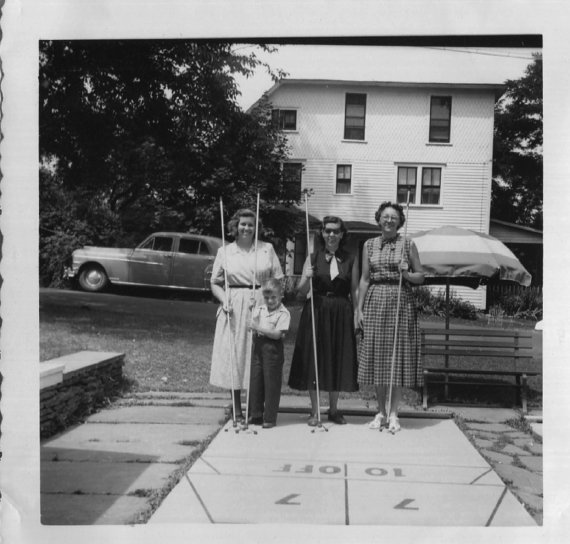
point(69, 273)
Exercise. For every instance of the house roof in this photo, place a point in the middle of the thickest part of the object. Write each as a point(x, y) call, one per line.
point(511, 233)
point(496, 88)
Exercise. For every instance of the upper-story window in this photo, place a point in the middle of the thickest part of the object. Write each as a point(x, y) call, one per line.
point(429, 191)
point(355, 116)
point(284, 119)
point(343, 179)
point(292, 179)
point(440, 119)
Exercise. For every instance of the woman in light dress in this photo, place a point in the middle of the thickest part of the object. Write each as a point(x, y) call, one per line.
point(241, 262)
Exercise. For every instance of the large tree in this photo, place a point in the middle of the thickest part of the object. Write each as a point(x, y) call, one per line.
point(137, 136)
point(517, 164)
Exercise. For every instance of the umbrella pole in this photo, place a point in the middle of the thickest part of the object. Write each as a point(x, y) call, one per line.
point(446, 387)
point(398, 310)
point(447, 303)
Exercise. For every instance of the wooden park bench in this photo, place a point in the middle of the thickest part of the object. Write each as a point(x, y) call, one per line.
point(459, 349)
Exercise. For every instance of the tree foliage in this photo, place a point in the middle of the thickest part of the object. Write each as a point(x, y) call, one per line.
point(139, 136)
point(517, 164)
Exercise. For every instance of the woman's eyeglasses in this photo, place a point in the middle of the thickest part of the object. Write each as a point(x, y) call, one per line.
point(331, 231)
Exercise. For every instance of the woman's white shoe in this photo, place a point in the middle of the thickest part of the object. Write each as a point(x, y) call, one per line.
point(378, 422)
point(393, 424)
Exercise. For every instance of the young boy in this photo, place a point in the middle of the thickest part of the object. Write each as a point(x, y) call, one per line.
point(270, 324)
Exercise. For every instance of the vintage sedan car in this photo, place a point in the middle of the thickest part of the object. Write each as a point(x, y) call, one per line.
point(164, 259)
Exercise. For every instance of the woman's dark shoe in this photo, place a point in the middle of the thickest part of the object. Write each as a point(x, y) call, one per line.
point(256, 420)
point(268, 425)
point(238, 417)
point(337, 417)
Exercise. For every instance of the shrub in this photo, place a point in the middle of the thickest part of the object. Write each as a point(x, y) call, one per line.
point(525, 303)
point(69, 220)
point(429, 303)
point(55, 252)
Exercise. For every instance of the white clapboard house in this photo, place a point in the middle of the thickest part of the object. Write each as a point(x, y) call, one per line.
point(356, 144)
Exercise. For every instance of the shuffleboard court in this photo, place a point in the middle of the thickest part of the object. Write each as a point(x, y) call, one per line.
point(427, 474)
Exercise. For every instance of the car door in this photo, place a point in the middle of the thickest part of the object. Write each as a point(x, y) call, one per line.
point(151, 262)
point(191, 264)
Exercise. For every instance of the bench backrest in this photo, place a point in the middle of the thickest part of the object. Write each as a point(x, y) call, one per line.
point(476, 342)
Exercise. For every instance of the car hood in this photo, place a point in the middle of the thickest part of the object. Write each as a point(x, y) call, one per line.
point(92, 251)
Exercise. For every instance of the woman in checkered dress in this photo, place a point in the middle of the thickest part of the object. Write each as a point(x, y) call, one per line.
point(384, 258)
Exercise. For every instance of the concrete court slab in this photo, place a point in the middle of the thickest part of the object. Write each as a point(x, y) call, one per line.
point(159, 414)
point(63, 509)
point(163, 442)
point(112, 478)
point(293, 439)
point(428, 474)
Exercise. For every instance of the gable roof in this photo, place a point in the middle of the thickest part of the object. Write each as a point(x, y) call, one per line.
point(495, 88)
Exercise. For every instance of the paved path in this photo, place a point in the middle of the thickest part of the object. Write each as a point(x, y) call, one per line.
point(126, 461)
point(114, 468)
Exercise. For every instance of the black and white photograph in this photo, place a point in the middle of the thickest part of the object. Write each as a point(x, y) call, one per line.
point(278, 271)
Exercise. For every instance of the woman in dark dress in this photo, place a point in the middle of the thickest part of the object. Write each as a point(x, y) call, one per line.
point(335, 277)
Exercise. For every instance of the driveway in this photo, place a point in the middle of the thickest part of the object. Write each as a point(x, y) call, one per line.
point(121, 302)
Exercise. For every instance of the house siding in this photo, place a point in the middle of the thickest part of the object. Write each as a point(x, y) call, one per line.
point(396, 133)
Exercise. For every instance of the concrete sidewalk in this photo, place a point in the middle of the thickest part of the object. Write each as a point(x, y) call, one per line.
point(133, 460)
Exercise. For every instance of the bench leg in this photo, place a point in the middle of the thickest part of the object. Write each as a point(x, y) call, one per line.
point(425, 395)
point(518, 391)
point(523, 394)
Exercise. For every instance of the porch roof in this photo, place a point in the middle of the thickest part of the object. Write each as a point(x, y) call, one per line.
point(511, 233)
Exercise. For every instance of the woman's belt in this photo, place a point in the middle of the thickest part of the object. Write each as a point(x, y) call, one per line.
point(330, 294)
point(241, 286)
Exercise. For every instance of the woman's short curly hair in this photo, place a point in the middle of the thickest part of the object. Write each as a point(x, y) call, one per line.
point(234, 221)
point(337, 220)
point(395, 206)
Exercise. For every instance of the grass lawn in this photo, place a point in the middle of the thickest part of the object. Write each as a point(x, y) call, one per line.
point(166, 353)
point(162, 353)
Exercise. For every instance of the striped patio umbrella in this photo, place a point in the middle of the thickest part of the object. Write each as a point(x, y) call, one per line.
point(455, 256)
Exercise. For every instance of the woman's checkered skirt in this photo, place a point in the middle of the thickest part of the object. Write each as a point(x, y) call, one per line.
point(376, 346)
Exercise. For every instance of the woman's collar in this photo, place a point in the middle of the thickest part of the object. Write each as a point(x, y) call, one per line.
point(244, 250)
point(384, 241)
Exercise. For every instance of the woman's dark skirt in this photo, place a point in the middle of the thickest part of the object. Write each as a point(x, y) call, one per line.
point(336, 347)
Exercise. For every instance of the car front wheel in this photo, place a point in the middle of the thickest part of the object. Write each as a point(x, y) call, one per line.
point(93, 278)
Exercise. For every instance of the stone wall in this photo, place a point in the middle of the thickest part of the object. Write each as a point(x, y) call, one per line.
point(74, 386)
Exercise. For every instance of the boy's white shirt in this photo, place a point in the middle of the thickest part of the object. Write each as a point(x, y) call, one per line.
point(279, 319)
